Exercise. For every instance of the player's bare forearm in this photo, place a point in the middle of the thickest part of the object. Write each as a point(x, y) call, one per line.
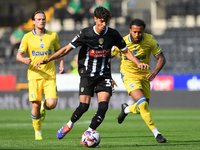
point(60, 53)
point(132, 58)
point(160, 64)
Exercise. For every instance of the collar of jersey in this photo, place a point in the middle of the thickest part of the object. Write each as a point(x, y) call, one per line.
point(97, 32)
point(34, 33)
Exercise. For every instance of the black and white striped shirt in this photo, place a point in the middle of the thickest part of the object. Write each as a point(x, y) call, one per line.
point(95, 53)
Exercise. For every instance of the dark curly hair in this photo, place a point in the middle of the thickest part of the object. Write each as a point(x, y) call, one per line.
point(101, 12)
point(137, 22)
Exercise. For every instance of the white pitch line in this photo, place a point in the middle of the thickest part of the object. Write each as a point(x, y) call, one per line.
point(109, 118)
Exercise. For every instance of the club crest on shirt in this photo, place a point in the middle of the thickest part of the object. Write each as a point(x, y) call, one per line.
point(135, 52)
point(101, 40)
point(41, 45)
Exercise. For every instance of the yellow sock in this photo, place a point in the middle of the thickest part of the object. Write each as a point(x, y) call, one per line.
point(145, 112)
point(36, 120)
point(133, 108)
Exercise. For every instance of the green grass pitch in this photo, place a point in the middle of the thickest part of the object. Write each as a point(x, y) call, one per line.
point(181, 128)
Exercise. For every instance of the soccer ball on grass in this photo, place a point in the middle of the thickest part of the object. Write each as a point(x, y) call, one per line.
point(90, 138)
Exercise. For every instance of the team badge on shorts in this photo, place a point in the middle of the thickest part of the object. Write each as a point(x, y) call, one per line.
point(82, 89)
point(32, 95)
point(131, 85)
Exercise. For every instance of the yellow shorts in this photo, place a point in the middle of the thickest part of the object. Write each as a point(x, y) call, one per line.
point(37, 86)
point(131, 83)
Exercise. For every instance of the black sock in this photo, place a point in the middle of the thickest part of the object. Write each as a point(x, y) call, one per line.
point(100, 115)
point(80, 110)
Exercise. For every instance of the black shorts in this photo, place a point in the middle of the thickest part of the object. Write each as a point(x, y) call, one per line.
point(89, 85)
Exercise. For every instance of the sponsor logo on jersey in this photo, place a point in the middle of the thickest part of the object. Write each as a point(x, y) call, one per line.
point(74, 39)
point(99, 53)
point(101, 46)
point(141, 57)
point(41, 53)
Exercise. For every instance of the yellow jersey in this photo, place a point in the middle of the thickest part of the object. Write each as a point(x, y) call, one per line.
point(39, 48)
point(142, 52)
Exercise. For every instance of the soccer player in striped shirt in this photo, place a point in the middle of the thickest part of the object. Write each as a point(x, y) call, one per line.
point(94, 67)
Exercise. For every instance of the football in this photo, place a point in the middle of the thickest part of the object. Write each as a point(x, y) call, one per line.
point(90, 138)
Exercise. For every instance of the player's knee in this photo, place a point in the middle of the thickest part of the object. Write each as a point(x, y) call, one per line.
point(83, 107)
point(80, 110)
point(50, 104)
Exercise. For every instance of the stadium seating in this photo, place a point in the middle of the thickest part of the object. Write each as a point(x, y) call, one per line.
point(180, 45)
point(181, 48)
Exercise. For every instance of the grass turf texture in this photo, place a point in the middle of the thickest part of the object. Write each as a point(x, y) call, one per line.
point(179, 126)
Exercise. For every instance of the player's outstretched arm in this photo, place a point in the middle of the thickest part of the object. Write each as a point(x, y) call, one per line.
point(160, 64)
point(60, 53)
point(132, 58)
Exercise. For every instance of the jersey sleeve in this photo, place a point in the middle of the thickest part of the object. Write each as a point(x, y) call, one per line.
point(120, 43)
point(57, 43)
point(114, 51)
point(24, 44)
point(78, 40)
point(155, 47)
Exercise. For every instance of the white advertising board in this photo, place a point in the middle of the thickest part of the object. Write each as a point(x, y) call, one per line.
point(70, 82)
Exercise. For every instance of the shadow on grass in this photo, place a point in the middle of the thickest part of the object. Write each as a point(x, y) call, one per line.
point(121, 137)
point(185, 141)
point(146, 145)
point(167, 144)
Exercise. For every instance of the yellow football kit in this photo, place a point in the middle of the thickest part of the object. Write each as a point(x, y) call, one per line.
point(40, 48)
point(132, 76)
